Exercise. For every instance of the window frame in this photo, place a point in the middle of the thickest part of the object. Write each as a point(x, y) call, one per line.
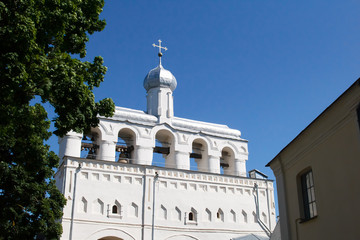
point(307, 199)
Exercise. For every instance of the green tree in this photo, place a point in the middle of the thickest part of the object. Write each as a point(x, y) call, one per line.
point(38, 39)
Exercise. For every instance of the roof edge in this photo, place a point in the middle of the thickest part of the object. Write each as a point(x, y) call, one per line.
point(357, 82)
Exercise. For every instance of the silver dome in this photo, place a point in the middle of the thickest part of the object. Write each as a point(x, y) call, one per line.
point(159, 77)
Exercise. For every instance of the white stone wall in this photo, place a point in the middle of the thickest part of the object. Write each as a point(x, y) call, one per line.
point(182, 133)
point(169, 202)
point(96, 186)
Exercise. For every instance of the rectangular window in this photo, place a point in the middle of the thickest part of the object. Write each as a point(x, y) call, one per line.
point(308, 195)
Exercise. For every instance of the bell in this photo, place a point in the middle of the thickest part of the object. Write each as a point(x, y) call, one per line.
point(123, 158)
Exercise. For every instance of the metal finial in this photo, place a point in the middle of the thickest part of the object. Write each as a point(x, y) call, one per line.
point(160, 47)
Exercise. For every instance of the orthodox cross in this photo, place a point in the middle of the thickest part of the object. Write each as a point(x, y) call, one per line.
point(160, 47)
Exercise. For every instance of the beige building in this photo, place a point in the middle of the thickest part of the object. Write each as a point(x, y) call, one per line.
point(317, 175)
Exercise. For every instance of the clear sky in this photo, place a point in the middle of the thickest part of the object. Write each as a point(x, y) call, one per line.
point(266, 68)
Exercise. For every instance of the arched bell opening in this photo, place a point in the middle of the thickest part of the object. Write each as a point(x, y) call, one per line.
point(164, 149)
point(199, 156)
point(227, 161)
point(125, 146)
point(90, 144)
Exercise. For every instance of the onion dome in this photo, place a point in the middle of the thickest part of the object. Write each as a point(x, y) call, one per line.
point(159, 77)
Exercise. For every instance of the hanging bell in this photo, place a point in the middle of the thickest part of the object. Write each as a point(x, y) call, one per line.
point(123, 158)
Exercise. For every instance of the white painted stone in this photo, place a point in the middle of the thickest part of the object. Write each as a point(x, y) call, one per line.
point(137, 200)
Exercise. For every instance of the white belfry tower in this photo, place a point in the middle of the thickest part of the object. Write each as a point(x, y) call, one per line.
point(151, 175)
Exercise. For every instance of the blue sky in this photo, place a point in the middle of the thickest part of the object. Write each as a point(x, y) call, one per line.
point(266, 68)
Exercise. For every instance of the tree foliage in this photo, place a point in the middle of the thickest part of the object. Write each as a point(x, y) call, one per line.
point(38, 39)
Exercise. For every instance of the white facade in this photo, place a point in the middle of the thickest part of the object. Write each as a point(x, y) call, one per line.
point(126, 197)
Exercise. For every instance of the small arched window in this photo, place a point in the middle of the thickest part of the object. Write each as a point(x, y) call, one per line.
point(220, 215)
point(191, 216)
point(114, 209)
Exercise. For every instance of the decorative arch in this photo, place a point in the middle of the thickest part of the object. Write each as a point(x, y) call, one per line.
point(192, 138)
point(245, 218)
point(90, 144)
point(83, 205)
point(134, 210)
point(227, 161)
point(233, 215)
point(177, 214)
point(162, 127)
point(254, 217)
point(164, 148)
point(105, 129)
point(110, 238)
point(243, 149)
point(264, 217)
point(182, 237)
point(220, 215)
point(199, 154)
point(192, 215)
point(116, 208)
point(98, 206)
point(208, 215)
point(231, 144)
point(135, 130)
point(105, 234)
point(126, 144)
point(163, 212)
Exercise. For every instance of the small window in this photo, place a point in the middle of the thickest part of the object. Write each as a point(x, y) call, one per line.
point(191, 216)
point(220, 215)
point(114, 209)
point(308, 195)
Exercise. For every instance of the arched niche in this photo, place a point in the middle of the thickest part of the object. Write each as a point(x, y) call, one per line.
point(220, 215)
point(164, 150)
point(90, 144)
point(227, 161)
point(110, 238)
point(125, 146)
point(199, 155)
point(109, 234)
point(182, 237)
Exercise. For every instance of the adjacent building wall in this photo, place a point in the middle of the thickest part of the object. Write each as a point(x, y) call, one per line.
point(330, 147)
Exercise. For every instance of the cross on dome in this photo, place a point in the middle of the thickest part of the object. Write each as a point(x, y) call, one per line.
point(160, 47)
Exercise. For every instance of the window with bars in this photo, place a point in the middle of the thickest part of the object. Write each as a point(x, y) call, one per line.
point(308, 195)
